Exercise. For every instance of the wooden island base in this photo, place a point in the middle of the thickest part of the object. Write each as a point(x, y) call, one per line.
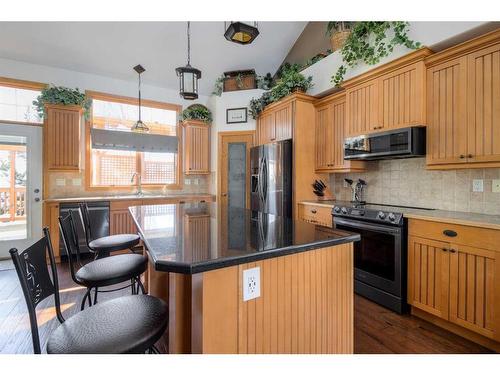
point(305, 306)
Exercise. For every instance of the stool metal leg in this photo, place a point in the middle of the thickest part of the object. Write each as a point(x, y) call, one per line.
point(95, 295)
point(86, 295)
point(140, 285)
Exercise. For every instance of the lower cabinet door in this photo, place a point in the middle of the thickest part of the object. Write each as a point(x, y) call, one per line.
point(428, 275)
point(474, 292)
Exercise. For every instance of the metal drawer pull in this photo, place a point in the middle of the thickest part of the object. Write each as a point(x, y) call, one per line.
point(445, 249)
point(453, 251)
point(313, 211)
point(450, 233)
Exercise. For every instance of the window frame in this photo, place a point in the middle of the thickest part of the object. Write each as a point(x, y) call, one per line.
point(22, 84)
point(133, 101)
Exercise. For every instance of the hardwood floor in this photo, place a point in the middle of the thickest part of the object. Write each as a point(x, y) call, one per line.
point(377, 330)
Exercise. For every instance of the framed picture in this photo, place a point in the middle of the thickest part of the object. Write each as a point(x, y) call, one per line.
point(236, 115)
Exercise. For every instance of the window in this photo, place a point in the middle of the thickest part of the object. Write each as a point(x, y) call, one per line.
point(115, 167)
point(16, 101)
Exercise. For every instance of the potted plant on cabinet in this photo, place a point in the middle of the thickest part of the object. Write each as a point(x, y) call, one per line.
point(59, 95)
point(197, 112)
point(338, 31)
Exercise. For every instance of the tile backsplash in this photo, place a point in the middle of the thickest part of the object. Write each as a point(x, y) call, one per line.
point(65, 185)
point(407, 182)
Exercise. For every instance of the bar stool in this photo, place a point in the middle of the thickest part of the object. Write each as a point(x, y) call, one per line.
point(100, 272)
point(130, 324)
point(104, 245)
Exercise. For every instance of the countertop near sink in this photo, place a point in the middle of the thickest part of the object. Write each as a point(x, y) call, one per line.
point(442, 216)
point(130, 197)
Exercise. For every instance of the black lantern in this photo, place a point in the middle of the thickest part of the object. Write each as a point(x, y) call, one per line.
point(188, 76)
point(241, 33)
point(139, 126)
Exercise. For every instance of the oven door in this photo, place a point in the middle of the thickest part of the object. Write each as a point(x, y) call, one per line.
point(377, 257)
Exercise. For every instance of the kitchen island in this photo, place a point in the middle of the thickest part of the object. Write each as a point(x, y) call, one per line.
point(199, 254)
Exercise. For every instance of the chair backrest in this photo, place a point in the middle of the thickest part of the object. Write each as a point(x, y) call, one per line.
point(69, 237)
point(84, 210)
point(36, 282)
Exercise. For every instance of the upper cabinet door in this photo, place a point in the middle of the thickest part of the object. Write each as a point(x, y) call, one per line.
point(337, 138)
point(447, 113)
point(266, 128)
point(62, 137)
point(197, 148)
point(484, 105)
point(362, 108)
point(402, 95)
point(324, 138)
point(283, 122)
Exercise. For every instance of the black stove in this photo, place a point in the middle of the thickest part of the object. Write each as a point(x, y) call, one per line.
point(369, 212)
point(380, 256)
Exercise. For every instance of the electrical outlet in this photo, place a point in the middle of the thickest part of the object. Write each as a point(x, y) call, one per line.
point(346, 185)
point(76, 181)
point(187, 181)
point(495, 186)
point(196, 181)
point(251, 283)
point(477, 186)
point(60, 182)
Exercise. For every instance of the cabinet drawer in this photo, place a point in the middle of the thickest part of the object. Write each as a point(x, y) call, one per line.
point(315, 214)
point(458, 234)
point(123, 205)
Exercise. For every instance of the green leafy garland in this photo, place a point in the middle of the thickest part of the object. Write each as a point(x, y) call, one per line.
point(197, 112)
point(368, 42)
point(62, 95)
point(289, 80)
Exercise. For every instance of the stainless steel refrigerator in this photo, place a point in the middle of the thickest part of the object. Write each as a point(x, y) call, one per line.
point(271, 169)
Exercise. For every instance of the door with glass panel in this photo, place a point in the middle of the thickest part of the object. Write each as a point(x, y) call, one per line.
point(20, 186)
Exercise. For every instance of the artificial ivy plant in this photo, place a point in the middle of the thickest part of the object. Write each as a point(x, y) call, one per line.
point(289, 81)
point(61, 95)
point(197, 112)
point(370, 41)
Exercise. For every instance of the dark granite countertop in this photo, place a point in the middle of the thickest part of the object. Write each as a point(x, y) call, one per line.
point(197, 237)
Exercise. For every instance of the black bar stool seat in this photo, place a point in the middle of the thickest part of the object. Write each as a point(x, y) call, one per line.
point(130, 324)
point(115, 242)
point(111, 270)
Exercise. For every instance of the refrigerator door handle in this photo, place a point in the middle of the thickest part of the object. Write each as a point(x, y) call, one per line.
point(264, 180)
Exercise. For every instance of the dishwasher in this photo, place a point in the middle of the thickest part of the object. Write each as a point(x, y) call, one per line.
point(99, 222)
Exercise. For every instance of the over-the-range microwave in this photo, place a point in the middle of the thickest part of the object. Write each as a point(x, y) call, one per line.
point(391, 144)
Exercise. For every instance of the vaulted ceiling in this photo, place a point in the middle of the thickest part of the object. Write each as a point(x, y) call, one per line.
point(113, 48)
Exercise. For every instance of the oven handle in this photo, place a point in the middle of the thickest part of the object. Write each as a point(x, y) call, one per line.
point(361, 225)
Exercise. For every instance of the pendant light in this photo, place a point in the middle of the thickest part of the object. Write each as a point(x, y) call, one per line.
point(139, 126)
point(241, 33)
point(188, 76)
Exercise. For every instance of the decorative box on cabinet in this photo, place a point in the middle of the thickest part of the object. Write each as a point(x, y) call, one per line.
point(62, 128)
point(463, 105)
point(196, 147)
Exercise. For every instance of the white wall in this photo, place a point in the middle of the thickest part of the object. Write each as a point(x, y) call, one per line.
point(428, 33)
point(85, 81)
point(218, 106)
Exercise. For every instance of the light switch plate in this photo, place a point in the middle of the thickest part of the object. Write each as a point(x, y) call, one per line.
point(76, 181)
point(251, 283)
point(60, 182)
point(477, 186)
point(495, 186)
point(187, 181)
point(196, 181)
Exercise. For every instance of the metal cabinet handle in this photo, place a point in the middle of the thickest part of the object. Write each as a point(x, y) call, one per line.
point(450, 233)
point(453, 251)
point(444, 249)
point(462, 156)
point(313, 211)
point(470, 156)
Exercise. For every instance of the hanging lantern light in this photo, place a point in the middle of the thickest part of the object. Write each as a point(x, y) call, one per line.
point(139, 126)
point(241, 33)
point(188, 76)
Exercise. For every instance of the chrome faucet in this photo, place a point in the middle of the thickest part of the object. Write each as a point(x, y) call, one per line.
point(139, 183)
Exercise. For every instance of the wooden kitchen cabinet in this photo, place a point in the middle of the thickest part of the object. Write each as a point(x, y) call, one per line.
point(275, 124)
point(463, 106)
point(388, 97)
point(196, 236)
point(316, 214)
point(428, 275)
point(455, 277)
point(329, 137)
point(62, 128)
point(196, 147)
point(120, 220)
point(362, 108)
